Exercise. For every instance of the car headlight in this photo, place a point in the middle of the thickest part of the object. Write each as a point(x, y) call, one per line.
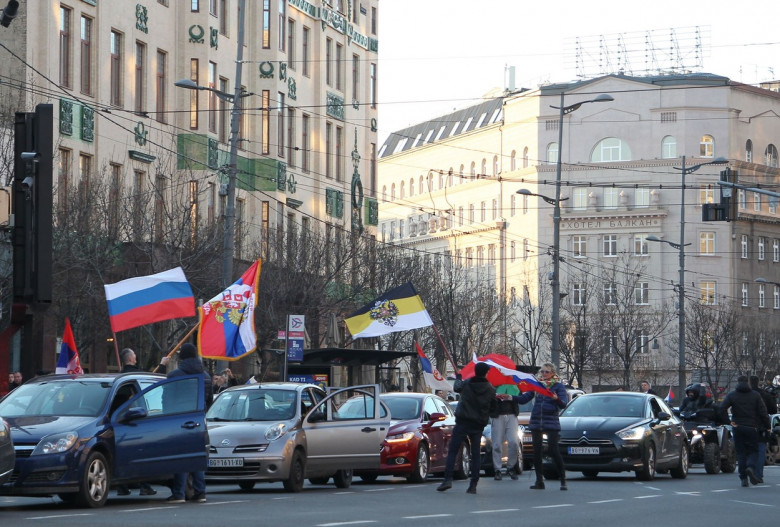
point(399, 438)
point(632, 434)
point(5, 429)
point(56, 443)
point(275, 432)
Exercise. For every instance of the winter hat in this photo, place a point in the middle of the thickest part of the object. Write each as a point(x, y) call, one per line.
point(188, 351)
point(481, 369)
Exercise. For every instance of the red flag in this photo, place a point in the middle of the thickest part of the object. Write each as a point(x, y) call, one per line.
point(68, 361)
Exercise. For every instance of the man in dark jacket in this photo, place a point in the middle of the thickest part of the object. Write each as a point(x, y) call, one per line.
point(748, 418)
point(771, 408)
point(477, 402)
point(190, 364)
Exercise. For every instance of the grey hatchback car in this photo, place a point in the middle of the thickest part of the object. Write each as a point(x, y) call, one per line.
point(289, 432)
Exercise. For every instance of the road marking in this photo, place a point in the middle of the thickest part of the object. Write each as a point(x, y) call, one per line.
point(554, 506)
point(147, 509)
point(753, 503)
point(356, 522)
point(692, 493)
point(721, 490)
point(344, 492)
point(605, 501)
point(652, 488)
point(494, 510)
point(648, 496)
point(378, 490)
point(59, 516)
point(282, 498)
point(426, 516)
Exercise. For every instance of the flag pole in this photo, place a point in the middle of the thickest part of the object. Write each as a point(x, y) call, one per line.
point(116, 350)
point(177, 346)
point(454, 366)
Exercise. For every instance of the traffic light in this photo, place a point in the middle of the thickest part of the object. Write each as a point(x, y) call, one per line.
point(32, 205)
point(726, 209)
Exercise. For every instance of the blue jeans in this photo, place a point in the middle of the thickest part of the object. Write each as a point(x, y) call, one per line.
point(180, 484)
point(459, 433)
point(746, 445)
point(761, 459)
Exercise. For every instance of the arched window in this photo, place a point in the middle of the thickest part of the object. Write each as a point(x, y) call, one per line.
point(441, 180)
point(771, 156)
point(552, 153)
point(513, 160)
point(707, 146)
point(392, 192)
point(421, 188)
point(402, 191)
point(525, 157)
point(384, 192)
point(610, 149)
point(473, 170)
point(669, 147)
point(450, 177)
point(483, 168)
point(749, 151)
point(430, 181)
point(460, 179)
point(495, 166)
point(411, 187)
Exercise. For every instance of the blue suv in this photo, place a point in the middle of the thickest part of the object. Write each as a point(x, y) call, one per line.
point(77, 436)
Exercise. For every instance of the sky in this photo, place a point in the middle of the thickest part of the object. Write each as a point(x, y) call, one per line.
point(436, 56)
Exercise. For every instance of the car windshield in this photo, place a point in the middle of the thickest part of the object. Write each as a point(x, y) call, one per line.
point(605, 406)
point(403, 408)
point(254, 405)
point(56, 398)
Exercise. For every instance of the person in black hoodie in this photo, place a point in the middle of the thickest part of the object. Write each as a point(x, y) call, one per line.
point(748, 418)
point(771, 408)
point(190, 364)
point(477, 402)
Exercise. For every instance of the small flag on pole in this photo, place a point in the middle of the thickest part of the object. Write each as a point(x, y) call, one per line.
point(68, 361)
point(433, 379)
point(670, 395)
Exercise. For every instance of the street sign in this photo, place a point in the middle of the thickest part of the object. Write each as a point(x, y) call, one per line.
point(296, 331)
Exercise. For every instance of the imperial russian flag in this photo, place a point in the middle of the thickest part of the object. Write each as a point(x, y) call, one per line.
point(433, 379)
point(227, 321)
point(399, 309)
point(68, 361)
point(139, 301)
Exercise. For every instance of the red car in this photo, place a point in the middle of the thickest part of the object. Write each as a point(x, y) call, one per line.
point(416, 443)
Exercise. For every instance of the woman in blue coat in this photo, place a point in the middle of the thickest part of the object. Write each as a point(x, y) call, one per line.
point(544, 421)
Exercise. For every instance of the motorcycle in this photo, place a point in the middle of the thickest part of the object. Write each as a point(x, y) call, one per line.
point(711, 444)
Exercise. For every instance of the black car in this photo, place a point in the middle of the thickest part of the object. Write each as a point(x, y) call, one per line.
point(622, 431)
point(7, 456)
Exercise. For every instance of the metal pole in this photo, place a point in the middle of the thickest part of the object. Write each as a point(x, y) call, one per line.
point(555, 348)
point(681, 291)
point(228, 243)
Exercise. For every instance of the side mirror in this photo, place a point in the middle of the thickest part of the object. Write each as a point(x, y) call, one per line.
point(316, 416)
point(436, 417)
point(664, 416)
point(133, 413)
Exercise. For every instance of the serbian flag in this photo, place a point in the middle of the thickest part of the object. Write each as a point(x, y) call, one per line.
point(670, 395)
point(433, 379)
point(227, 321)
point(68, 361)
point(399, 309)
point(139, 301)
point(525, 381)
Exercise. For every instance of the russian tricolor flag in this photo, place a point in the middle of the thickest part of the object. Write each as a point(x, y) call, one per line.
point(68, 361)
point(227, 321)
point(139, 301)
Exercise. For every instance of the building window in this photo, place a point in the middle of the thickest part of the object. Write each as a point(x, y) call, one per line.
point(776, 250)
point(707, 146)
point(85, 173)
point(707, 243)
point(642, 293)
point(761, 295)
point(745, 295)
point(706, 194)
point(756, 202)
point(642, 342)
point(86, 55)
point(372, 85)
point(482, 211)
point(513, 251)
point(495, 209)
point(552, 153)
point(526, 249)
point(744, 246)
point(193, 198)
point(140, 76)
point(194, 95)
point(266, 24)
point(471, 213)
point(329, 62)
point(223, 17)
point(642, 197)
point(525, 204)
point(356, 78)
point(578, 294)
point(65, 14)
point(579, 198)
point(213, 101)
point(609, 150)
point(162, 62)
point(291, 147)
point(305, 51)
point(213, 7)
point(525, 157)
point(610, 245)
point(776, 297)
point(329, 155)
point(338, 155)
point(761, 247)
point(114, 195)
point(222, 112)
point(640, 245)
point(265, 124)
point(305, 146)
point(63, 182)
point(669, 147)
point(282, 18)
point(280, 129)
point(610, 294)
point(749, 151)
point(512, 204)
point(291, 44)
point(194, 6)
point(771, 156)
point(611, 198)
point(115, 48)
point(709, 292)
point(579, 246)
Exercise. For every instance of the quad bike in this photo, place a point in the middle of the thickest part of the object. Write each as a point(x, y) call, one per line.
point(711, 444)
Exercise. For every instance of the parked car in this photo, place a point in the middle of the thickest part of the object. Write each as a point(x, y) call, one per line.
point(524, 418)
point(7, 456)
point(76, 436)
point(417, 441)
point(289, 432)
point(621, 431)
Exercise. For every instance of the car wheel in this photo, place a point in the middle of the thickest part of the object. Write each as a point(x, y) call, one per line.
point(319, 481)
point(462, 467)
point(368, 478)
point(94, 485)
point(343, 478)
point(712, 458)
point(647, 472)
point(294, 483)
point(590, 473)
point(728, 462)
point(246, 485)
point(421, 465)
point(681, 470)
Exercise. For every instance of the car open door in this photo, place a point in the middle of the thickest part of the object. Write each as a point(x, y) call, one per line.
point(162, 430)
point(346, 429)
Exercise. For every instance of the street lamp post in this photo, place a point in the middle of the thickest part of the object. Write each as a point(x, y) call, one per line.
point(555, 343)
point(681, 262)
point(228, 242)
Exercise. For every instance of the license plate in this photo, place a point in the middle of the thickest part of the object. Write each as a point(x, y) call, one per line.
point(226, 462)
point(583, 450)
